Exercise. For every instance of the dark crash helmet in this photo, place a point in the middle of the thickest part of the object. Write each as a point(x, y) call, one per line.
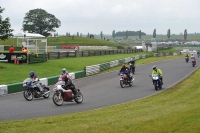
point(32, 74)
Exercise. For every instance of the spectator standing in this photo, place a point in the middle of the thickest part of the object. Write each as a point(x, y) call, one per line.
point(11, 49)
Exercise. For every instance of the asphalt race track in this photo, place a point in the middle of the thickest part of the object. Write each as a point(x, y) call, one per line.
point(98, 91)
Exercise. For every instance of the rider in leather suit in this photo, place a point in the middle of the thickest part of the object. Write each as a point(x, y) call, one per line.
point(68, 83)
point(125, 70)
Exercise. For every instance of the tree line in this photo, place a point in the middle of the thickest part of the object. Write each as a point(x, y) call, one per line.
point(41, 22)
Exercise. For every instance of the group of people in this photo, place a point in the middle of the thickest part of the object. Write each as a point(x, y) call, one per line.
point(126, 70)
point(65, 77)
point(192, 56)
point(24, 50)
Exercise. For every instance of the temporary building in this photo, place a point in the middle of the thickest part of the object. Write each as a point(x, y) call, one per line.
point(28, 35)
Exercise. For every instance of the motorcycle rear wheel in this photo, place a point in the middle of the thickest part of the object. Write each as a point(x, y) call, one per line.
point(79, 96)
point(122, 83)
point(28, 95)
point(56, 99)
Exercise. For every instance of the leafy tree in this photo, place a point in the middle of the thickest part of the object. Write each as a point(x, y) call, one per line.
point(40, 21)
point(127, 34)
point(5, 27)
point(185, 34)
point(113, 34)
point(101, 34)
point(168, 33)
point(154, 33)
point(140, 34)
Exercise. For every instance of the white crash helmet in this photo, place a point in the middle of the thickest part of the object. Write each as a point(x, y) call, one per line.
point(154, 67)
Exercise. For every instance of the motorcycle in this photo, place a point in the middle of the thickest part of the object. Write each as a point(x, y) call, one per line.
point(187, 59)
point(156, 81)
point(63, 93)
point(193, 62)
point(124, 80)
point(132, 68)
point(32, 91)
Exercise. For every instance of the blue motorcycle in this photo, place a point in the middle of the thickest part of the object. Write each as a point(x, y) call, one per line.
point(156, 81)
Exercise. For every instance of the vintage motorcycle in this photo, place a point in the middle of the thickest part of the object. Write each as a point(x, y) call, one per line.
point(186, 59)
point(32, 91)
point(156, 81)
point(193, 62)
point(63, 93)
point(124, 80)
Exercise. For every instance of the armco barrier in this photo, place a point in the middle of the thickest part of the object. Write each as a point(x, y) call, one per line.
point(80, 74)
point(16, 87)
point(52, 80)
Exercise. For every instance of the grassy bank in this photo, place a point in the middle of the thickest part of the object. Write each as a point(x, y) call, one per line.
point(174, 110)
point(55, 41)
point(179, 37)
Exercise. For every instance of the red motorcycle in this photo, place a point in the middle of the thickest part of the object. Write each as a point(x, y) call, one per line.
point(65, 94)
point(193, 62)
point(125, 81)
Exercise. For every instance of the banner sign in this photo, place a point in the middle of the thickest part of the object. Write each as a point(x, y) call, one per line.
point(10, 57)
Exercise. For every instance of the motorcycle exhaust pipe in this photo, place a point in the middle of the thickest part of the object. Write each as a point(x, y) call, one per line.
point(46, 92)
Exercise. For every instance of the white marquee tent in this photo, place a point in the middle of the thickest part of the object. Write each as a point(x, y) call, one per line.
point(28, 35)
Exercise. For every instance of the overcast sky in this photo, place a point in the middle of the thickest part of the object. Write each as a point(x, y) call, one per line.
point(94, 16)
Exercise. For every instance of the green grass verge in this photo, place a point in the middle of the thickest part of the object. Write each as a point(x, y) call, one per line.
point(174, 110)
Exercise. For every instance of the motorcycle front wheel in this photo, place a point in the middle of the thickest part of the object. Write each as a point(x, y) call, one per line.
point(156, 87)
point(122, 83)
point(28, 95)
point(57, 101)
point(79, 98)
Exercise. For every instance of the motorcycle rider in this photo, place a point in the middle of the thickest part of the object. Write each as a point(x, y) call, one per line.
point(125, 70)
point(187, 55)
point(64, 71)
point(35, 80)
point(157, 71)
point(133, 64)
point(193, 57)
point(68, 83)
point(198, 53)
